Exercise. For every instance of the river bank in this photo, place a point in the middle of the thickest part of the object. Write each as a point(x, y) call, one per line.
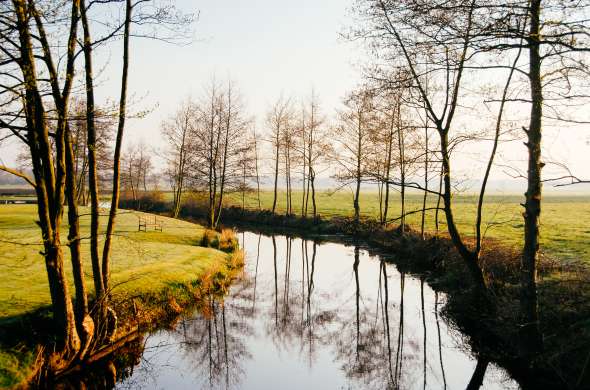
point(315, 314)
point(155, 275)
point(564, 293)
point(142, 314)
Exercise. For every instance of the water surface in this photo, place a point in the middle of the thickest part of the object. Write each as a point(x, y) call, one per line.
point(310, 315)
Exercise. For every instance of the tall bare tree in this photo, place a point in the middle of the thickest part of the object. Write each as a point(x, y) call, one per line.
point(51, 159)
point(179, 133)
point(316, 148)
point(406, 35)
point(353, 136)
point(39, 100)
point(220, 135)
point(278, 119)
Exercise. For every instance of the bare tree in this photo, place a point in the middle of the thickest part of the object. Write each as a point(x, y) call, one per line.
point(278, 119)
point(406, 36)
point(555, 35)
point(136, 169)
point(220, 138)
point(52, 162)
point(37, 97)
point(353, 136)
point(455, 38)
point(316, 148)
point(384, 142)
point(104, 136)
point(256, 166)
point(179, 133)
point(247, 164)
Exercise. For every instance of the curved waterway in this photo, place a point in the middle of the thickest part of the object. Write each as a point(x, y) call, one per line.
point(309, 315)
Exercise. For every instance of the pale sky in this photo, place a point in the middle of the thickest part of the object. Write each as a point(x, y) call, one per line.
point(269, 48)
point(266, 47)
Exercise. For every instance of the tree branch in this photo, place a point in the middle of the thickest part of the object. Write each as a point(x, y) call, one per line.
point(19, 174)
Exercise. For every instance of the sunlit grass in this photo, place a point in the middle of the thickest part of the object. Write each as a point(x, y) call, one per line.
point(141, 261)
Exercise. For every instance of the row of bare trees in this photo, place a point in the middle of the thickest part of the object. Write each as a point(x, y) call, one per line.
point(48, 54)
point(299, 140)
point(534, 52)
point(374, 140)
point(211, 148)
point(137, 173)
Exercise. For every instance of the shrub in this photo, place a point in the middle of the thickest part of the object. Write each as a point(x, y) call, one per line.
point(210, 239)
point(194, 204)
point(152, 201)
point(228, 242)
point(236, 260)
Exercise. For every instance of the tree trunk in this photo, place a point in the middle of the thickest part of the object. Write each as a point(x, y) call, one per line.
point(380, 196)
point(213, 154)
point(179, 175)
point(48, 189)
point(388, 172)
point(84, 323)
point(310, 159)
point(91, 146)
point(470, 258)
point(304, 168)
point(64, 154)
point(531, 341)
point(256, 167)
point(402, 167)
point(440, 186)
point(274, 199)
point(224, 162)
point(476, 380)
point(313, 201)
point(288, 175)
point(74, 236)
point(63, 310)
point(106, 253)
point(358, 172)
point(425, 196)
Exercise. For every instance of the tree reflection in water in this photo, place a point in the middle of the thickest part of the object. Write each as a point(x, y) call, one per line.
point(302, 316)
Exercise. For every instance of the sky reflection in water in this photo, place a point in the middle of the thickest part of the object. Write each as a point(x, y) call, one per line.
point(309, 315)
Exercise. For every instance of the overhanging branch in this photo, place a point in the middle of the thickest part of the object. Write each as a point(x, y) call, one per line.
point(19, 174)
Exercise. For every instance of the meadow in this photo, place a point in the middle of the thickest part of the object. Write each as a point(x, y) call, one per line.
point(565, 220)
point(141, 261)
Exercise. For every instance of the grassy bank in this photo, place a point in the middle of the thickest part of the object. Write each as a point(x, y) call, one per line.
point(148, 269)
point(565, 231)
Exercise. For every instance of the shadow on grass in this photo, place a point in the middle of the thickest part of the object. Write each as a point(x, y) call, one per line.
point(20, 339)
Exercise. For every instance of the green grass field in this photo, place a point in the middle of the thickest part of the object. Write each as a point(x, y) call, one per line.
point(141, 261)
point(565, 220)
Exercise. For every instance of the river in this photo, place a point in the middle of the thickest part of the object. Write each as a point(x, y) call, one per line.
point(310, 315)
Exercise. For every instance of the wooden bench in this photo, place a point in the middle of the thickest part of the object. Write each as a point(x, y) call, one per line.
point(18, 201)
point(146, 221)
